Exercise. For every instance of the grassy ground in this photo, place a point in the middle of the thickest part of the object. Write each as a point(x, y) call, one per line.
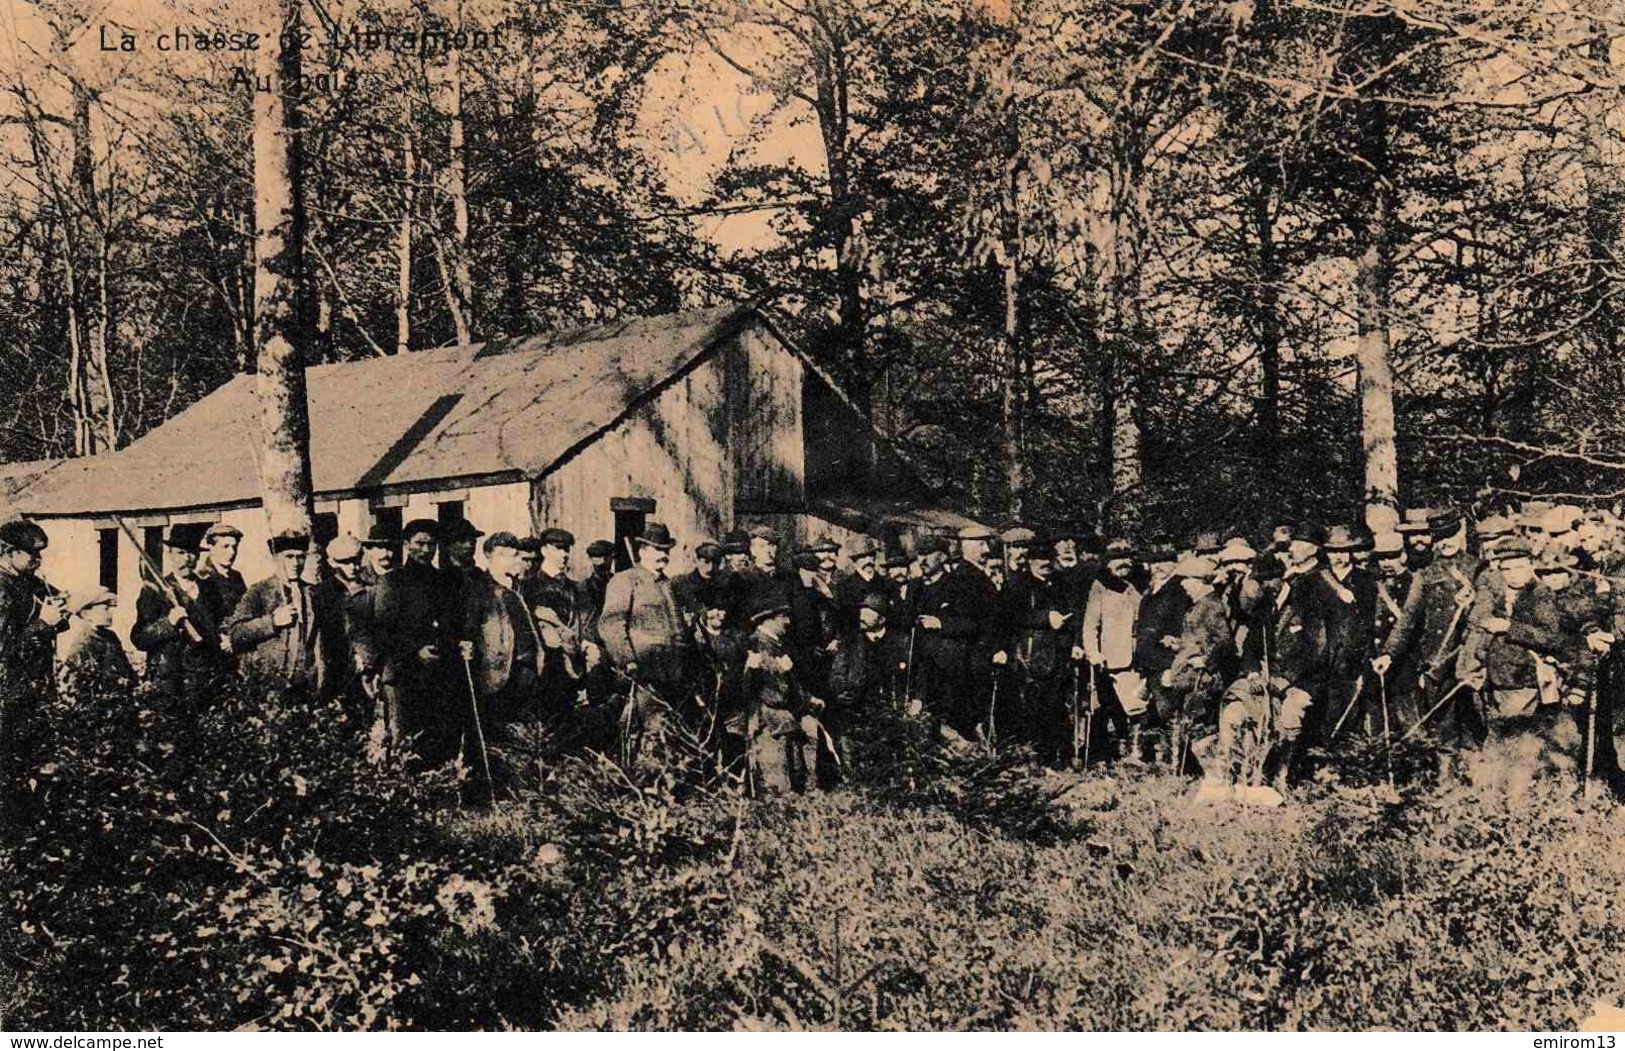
point(267, 875)
point(1455, 909)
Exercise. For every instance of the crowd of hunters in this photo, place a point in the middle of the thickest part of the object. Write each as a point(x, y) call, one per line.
point(1231, 664)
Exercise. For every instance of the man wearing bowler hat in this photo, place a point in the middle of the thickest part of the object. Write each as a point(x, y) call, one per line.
point(642, 626)
point(186, 654)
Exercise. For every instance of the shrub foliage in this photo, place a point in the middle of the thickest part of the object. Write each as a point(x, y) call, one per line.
point(260, 871)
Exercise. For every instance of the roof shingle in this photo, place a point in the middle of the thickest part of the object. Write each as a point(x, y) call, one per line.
point(509, 407)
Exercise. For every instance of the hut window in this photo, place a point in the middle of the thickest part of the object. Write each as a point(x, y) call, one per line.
point(324, 526)
point(631, 515)
point(447, 512)
point(390, 519)
point(152, 539)
point(107, 549)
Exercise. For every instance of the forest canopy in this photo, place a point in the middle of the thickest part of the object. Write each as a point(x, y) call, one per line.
point(1182, 264)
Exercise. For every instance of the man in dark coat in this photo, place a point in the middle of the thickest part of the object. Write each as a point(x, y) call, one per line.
point(287, 632)
point(863, 579)
point(1044, 678)
point(413, 630)
point(93, 662)
point(348, 588)
point(956, 619)
point(218, 557)
point(499, 638)
point(865, 675)
point(186, 645)
point(31, 616)
point(1513, 627)
point(1296, 641)
point(601, 567)
point(696, 589)
point(1347, 596)
point(1426, 640)
point(1157, 637)
point(569, 658)
point(813, 622)
point(1396, 686)
point(1075, 573)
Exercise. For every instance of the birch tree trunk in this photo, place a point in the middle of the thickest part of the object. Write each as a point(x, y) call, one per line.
point(1014, 370)
point(403, 239)
point(457, 187)
point(1124, 330)
point(279, 231)
point(1372, 289)
point(90, 264)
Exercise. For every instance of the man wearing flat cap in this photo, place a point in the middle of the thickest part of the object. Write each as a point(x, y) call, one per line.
point(600, 568)
point(414, 631)
point(31, 617)
point(560, 608)
point(858, 582)
point(1427, 638)
point(347, 588)
point(1018, 541)
point(217, 559)
point(500, 641)
point(93, 663)
point(460, 573)
point(956, 637)
point(185, 645)
point(696, 589)
point(642, 626)
point(287, 632)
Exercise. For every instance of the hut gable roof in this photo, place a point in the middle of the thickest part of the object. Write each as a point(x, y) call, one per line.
point(513, 408)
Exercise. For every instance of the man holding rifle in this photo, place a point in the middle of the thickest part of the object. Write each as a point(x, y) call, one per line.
point(178, 624)
point(1427, 636)
point(32, 614)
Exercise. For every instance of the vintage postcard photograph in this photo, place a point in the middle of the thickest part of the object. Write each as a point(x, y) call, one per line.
point(833, 515)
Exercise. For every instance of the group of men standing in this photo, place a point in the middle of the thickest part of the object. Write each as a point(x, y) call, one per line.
point(1217, 660)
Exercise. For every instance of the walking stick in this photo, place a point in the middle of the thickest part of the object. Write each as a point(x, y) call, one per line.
point(1089, 716)
point(1076, 713)
point(1387, 739)
point(1359, 687)
point(479, 734)
point(1433, 711)
point(908, 671)
point(1588, 784)
point(992, 706)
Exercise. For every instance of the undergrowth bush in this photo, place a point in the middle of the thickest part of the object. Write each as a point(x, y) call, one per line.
point(262, 872)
